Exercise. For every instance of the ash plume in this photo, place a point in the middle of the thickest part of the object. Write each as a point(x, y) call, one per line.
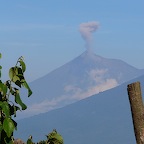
point(86, 30)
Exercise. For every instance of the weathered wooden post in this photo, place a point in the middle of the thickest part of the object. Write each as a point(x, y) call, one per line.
point(137, 110)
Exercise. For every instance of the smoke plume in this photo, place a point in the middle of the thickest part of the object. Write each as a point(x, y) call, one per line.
point(86, 30)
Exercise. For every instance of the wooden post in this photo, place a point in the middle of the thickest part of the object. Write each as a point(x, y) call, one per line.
point(137, 110)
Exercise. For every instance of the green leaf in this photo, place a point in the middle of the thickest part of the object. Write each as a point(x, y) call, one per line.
point(15, 78)
point(1, 87)
point(16, 70)
point(11, 72)
point(5, 108)
point(4, 88)
point(0, 55)
point(1, 103)
point(19, 101)
point(22, 65)
point(25, 84)
point(8, 126)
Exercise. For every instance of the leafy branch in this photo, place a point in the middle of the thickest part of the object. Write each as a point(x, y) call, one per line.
point(9, 108)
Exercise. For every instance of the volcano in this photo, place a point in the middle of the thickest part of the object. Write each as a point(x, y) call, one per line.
point(86, 75)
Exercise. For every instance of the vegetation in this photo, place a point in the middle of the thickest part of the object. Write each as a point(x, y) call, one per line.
point(52, 138)
point(10, 100)
point(10, 103)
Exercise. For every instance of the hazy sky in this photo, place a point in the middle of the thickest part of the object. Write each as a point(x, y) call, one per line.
point(47, 34)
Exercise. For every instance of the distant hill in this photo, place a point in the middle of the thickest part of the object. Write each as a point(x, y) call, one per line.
point(86, 75)
point(104, 118)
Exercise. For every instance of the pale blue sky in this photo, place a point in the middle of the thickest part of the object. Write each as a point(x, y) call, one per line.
point(46, 32)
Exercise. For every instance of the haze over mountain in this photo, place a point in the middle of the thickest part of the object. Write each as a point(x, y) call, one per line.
point(86, 75)
point(104, 118)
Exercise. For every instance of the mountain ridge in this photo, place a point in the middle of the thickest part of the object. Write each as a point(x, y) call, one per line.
point(102, 118)
point(82, 77)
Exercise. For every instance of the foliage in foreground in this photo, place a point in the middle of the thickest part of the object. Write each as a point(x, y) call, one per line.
point(10, 103)
point(52, 138)
point(10, 100)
